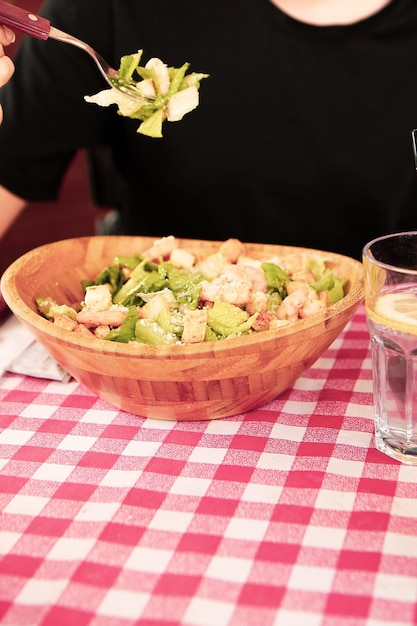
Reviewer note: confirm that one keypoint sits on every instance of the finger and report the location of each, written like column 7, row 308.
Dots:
column 7, row 36
column 6, row 69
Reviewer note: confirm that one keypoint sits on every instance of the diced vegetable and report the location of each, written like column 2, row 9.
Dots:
column 166, row 295
column 226, row 319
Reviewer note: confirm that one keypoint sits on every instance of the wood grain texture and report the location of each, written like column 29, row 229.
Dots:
column 181, row 382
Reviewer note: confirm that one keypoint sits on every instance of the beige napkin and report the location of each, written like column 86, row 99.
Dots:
column 22, row 354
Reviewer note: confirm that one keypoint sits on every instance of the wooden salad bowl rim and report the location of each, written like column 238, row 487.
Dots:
column 201, row 381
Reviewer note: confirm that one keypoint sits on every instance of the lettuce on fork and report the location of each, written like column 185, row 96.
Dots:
column 163, row 93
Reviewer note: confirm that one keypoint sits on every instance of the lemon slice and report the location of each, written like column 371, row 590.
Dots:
column 397, row 310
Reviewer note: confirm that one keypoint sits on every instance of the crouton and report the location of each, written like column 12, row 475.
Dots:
column 195, row 323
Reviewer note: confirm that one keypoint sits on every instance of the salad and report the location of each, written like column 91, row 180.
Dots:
column 166, row 295
column 163, row 93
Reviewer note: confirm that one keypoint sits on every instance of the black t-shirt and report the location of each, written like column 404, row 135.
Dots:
column 302, row 135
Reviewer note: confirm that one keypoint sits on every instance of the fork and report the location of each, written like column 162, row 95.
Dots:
column 40, row 28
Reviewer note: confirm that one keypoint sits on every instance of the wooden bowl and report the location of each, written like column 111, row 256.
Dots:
column 179, row 382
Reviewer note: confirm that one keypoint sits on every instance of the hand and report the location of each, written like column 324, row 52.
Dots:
column 7, row 37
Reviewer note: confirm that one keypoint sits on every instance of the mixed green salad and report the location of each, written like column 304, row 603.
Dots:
column 161, row 93
column 167, row 295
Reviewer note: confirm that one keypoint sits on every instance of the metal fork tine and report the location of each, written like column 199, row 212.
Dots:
column 108, row 72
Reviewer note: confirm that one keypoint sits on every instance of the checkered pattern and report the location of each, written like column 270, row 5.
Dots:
column 284, row 516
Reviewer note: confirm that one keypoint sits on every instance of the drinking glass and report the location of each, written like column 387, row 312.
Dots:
column 390, row 273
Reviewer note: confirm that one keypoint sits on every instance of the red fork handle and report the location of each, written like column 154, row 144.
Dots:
column 23, row 20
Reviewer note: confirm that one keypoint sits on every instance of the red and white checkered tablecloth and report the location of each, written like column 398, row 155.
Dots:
column 284, row 516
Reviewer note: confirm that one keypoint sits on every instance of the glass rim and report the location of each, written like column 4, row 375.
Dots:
column 366, row 252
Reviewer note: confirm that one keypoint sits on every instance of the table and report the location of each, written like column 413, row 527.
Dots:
column 283, row 516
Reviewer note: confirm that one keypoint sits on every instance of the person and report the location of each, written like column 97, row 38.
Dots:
column 7, row 37
column 301, row 136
